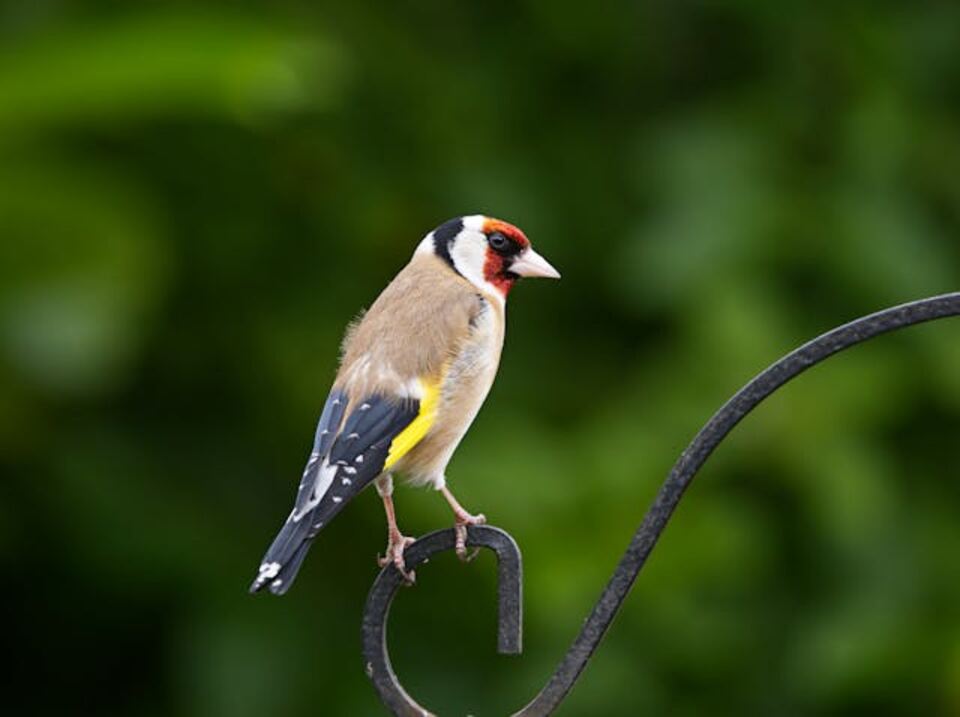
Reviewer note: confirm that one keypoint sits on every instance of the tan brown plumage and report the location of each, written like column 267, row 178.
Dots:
column 457, row 343
column 425, row 294
column 415, row 370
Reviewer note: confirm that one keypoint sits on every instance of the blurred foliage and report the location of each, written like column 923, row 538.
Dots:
column 195, row 198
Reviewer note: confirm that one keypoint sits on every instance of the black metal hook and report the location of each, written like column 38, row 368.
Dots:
column 509, row 596
column 672, row 490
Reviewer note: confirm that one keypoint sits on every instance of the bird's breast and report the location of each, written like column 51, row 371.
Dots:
column 466, row 383
column 471, row 372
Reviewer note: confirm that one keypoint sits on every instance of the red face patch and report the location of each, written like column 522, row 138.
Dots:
column 494, row 269
column 496, row 225
column 493, row 272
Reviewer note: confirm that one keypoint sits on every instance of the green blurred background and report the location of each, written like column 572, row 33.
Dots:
column 195, row 199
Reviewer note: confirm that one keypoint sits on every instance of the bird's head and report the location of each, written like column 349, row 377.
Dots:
column 489, row 253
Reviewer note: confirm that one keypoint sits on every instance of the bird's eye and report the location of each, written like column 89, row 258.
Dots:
column 498, row 242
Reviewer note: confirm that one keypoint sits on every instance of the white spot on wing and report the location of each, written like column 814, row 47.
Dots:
column 314, row 457
column 322, row 485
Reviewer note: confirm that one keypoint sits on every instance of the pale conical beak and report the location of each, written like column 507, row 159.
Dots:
column 531, row 264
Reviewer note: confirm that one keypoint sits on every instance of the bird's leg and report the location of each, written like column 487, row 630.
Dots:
column 397, row 542
column 463, row 519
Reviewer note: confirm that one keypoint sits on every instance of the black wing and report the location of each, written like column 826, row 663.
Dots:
column 343, row 461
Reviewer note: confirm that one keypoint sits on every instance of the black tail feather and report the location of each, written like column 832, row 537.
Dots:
column 339, row 468
column 282, row 561
column 291, row 542
column 288, row 573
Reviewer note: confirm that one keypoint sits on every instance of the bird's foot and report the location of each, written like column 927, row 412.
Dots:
column 396, row 545
column 463, row 520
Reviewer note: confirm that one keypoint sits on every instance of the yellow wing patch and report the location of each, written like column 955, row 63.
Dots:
column 414, row 433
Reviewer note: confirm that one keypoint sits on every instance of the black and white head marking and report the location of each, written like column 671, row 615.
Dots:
column 439, row 240
column 462, row 244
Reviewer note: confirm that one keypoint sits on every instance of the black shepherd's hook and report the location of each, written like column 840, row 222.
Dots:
column 509, row 610
column 687, row 465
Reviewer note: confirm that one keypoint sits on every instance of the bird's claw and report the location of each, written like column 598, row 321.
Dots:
column 460, row 527
column 396, row 545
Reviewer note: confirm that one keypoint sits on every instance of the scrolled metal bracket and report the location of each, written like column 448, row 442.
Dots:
column 389, row 581
column 678, row 480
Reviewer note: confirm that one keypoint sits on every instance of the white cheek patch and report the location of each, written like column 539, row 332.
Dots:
column 469, row 254
column 467, row 251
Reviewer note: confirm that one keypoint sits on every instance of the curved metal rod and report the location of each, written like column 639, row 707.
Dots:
column 679, row 479
column 377, row 610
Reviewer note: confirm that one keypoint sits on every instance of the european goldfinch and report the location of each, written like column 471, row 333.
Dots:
column 415, row 370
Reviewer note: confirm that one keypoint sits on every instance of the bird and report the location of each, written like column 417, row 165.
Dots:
column 415, row 369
